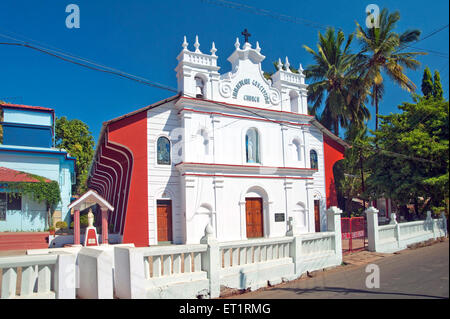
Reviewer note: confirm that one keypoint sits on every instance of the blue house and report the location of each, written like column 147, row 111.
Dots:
column 27, row 146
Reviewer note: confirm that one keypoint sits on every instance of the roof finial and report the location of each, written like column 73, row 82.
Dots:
column 213, row 49
column 300, row 69
column 185, row 44
column 258, row 49
column 197, row 45
column 287, row 64
column 279, row 64
column 237, row 44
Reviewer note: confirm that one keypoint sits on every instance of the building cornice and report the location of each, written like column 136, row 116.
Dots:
column 256, row 170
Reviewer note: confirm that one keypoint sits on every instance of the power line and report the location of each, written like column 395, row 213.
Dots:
column 424, row 38
column 263, row 12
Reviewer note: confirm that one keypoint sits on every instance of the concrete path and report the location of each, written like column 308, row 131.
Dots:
column 412, row 273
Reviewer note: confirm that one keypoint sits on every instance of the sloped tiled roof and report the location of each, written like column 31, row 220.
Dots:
column 11, row 175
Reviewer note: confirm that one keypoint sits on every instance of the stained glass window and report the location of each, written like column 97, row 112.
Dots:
column 163, row 156
column 313, row 159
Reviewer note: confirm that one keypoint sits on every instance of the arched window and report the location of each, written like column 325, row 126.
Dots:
column 199, row 87
column 252, row 146
column 313, row 159
column 163, row 151
column 293, row 97
column 297, row 149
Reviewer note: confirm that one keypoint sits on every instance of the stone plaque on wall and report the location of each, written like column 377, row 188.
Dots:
column 279, row 217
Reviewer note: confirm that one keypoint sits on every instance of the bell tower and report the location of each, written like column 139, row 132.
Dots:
column 197, row 72
column 292, row 87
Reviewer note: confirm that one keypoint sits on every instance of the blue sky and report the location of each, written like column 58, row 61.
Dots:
column 144, row 37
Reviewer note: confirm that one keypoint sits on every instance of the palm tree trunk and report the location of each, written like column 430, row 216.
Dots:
column 376, row 107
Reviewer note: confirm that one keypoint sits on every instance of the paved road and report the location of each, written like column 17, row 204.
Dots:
column 418, row 273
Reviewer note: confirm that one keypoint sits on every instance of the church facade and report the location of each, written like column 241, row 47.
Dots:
column 235, row 150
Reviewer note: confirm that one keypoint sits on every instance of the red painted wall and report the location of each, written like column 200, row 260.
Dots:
column 333, row 152
column 131, row 132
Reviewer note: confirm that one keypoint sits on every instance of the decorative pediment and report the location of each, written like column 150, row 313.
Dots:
column 245, row 84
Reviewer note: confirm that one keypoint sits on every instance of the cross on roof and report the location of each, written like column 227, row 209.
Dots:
column 246, row 35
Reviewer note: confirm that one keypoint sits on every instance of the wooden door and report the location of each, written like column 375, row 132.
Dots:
column 164, row 220
column 254, row 213
column 317, row 214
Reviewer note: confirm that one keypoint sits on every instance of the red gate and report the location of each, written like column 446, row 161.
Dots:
column 353, row 234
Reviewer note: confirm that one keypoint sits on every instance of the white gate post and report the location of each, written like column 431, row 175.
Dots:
column 65, row 276
column 334, row 225
column 129, row 273
column 372, row 227
column 295, row 247
column 211, row 262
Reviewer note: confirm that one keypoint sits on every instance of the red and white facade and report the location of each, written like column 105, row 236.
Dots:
column 240, row 156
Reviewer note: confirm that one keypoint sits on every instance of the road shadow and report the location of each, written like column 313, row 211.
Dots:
column 349, row 291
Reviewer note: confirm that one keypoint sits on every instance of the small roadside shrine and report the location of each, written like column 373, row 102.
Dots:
column 91, row 197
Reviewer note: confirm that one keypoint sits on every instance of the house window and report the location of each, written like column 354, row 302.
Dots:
column 9, row 202
column 163, row 151
column 252, row 146
column 313, row 159
column 2, row 206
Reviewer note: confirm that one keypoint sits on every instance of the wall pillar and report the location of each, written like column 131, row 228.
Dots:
column 334, row 225
column 76, row 227
column 104, row 226
column 211, row 262
column 372, row 227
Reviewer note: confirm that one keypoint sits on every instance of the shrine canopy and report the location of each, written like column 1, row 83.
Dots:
column 91, row 197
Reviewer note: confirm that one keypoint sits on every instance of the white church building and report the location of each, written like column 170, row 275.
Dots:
column 234, row 150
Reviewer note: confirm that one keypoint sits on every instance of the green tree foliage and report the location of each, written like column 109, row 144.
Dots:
column 427, row 83
column 381, row 52
column 351, row 172
column 75, row 137
column 438, row 93
column 420, row 134
column 333, row 82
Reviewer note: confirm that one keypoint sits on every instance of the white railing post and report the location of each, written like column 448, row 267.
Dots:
column 65, row 276
column 444, row 223
column 429, row 225
column 372, row 228
column 334, row 225
column 397, row 228
column 211, row 262
column 9, row 281
column 129, row 273
column 296, row 247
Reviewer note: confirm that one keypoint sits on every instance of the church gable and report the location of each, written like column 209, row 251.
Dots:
column 245, row 84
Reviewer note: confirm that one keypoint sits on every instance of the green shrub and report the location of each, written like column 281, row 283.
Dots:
column 61, row 225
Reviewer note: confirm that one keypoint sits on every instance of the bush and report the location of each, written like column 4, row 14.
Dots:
column 61, row 225
column 84, row 221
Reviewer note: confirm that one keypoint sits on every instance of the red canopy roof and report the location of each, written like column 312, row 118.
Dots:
column 27, row 107
column 10, row 175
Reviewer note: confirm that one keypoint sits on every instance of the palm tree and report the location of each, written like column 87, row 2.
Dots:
column 380, row 52
column 331, row 76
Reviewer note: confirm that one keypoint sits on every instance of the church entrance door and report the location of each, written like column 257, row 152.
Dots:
column 317, row 214
column 164, row 219
column 254, row 214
